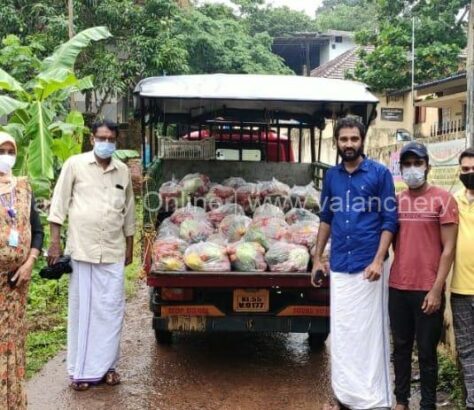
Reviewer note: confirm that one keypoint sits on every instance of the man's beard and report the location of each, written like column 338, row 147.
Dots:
column 350, row 154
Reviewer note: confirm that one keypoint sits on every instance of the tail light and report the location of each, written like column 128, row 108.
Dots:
column 176, row 294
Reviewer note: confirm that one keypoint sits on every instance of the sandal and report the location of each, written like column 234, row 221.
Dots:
column 112, row 378
column 79, row 386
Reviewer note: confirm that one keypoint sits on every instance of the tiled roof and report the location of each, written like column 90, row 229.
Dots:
column 338, row 67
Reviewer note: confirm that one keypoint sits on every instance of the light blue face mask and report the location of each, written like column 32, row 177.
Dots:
column 414, row 177
column 104, row 149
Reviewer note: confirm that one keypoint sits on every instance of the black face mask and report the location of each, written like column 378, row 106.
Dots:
column 467, row 180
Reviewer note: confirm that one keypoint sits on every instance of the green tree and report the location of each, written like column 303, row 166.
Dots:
column 439, row 40
column 225, row 45
column 35, row 108
column 347, row 15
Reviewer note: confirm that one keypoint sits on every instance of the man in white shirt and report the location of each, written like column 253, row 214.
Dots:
column 94, row 192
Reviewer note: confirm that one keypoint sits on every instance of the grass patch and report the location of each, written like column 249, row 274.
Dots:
column 450, row 379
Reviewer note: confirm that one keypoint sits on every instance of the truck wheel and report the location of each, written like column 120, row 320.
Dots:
column 163, row 337
column 316, row 340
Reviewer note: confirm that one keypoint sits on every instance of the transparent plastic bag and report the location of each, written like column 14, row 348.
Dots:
column 247, row 257
column 171, row 194
column 304, row 233
column 168, row 228
column 195, row 184
column 305, row 196
column 274, row 229
column 234, row 182
column 188, row 212
column 268, row 210
column 195, row 230
column 248, row 197
column 300, row 215
column 273, row 188
column 168, row 254
column 207, row 257
column 217, row 215
column 287, row 257
column 234, row 227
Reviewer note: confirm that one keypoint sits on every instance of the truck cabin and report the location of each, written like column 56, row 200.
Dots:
column 249, row 118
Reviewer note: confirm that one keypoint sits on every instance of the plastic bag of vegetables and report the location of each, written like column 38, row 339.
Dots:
column 304, row 233
column 305, row 196
column 168, row 228
column 273, row 188
column 234, row 182
column 207, row 257
column 274, row 229
column 287, row 257
column 168, row 254
column 268, row 210
column 248, row 196
column 247, row 257
column 234, row 227
column 300, row 215
column 188, row 212
column 195, row 184
column 218, row 195
column 171, row 194
column 217, row 215
column 195, row 230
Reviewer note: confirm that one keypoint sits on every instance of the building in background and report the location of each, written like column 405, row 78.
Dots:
column 303, row 50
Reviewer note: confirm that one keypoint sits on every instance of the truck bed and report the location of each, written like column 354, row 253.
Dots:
column 230, row 279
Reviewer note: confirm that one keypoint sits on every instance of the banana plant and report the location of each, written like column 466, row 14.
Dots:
column 33, row 110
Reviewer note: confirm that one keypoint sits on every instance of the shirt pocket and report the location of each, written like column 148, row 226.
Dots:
column 118, row 199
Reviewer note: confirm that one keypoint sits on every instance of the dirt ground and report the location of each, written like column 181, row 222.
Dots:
column 199, row 371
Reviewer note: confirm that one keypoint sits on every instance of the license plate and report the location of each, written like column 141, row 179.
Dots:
column 251, row 300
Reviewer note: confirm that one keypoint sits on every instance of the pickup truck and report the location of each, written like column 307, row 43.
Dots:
column 257, row 127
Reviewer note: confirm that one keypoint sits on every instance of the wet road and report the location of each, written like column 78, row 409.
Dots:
column 199, row 371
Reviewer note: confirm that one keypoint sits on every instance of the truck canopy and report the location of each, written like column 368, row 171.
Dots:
column 293, row 97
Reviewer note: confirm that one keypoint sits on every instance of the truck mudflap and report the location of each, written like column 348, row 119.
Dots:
column 242, row 324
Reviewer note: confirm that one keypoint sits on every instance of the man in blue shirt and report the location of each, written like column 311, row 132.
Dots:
column 359, row 215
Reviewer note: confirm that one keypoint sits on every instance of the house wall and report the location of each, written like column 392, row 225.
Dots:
column 332, row 49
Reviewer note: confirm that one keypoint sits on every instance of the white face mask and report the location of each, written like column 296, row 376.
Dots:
column 6, row 163
column 414, row 177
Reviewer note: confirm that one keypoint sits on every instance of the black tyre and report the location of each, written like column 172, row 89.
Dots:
column 316, row 340
column 163, row 337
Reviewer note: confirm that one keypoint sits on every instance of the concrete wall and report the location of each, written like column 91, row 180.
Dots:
column 332, row 50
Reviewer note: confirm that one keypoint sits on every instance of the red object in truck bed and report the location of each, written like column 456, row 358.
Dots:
column 256, row 137
column 230, row 280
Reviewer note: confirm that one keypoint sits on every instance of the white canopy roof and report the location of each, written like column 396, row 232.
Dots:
column 185, row 93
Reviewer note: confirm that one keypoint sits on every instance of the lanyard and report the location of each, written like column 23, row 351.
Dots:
column 9, row 207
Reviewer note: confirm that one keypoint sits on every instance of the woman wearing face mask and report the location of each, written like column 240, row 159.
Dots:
column 21, row 238
column 424, row 251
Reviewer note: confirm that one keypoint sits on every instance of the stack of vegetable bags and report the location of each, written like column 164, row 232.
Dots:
column 237, row 232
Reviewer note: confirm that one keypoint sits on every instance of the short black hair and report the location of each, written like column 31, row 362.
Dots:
column 349, row 122
column 112, row 126
column 467, row 153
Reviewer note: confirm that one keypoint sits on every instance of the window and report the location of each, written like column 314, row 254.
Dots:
column 420, row 115
column 338, row 39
